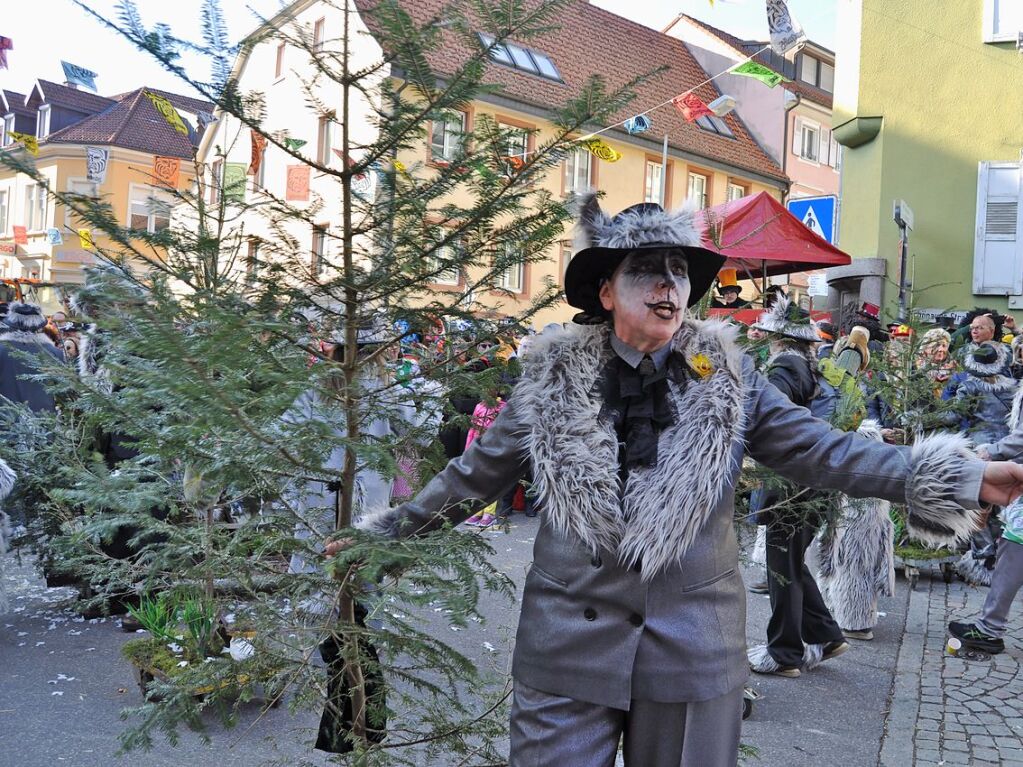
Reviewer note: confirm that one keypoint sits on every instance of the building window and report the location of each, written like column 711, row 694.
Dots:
column 319, row 259
column 79, row 187
column 817, row 73
column 714, row 124
column 8, row 127
column 835, row 156
column 323, row 140
column 35, row 207
column 216, row 180
column 443, row 267
column 735, row 191
column 809, row 142
column 258, row 180
column 446, row 138
column 652, row 183
column 252, row 260
column 279, row 64
column 148, row 209
column 578, row 171
column 43, row 121
column 512, row 55
column 3, row 213
column 697, row 191
column 515, row 143
column 512, row 278
column 318, row 34
column 1003, row 20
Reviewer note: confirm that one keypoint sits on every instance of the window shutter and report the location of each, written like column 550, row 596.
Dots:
column 797, row 137
column 998, row 250
column 824, row 155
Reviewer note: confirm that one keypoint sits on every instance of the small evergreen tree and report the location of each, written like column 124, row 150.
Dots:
column 175, row 465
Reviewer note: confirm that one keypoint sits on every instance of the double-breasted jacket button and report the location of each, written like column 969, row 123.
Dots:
column 636, row 620
column 590, row 614
column 596, row 561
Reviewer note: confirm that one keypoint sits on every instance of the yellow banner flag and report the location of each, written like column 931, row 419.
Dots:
column 602, row 151
column 31, row 142
column 85, row 239
column 168, row 112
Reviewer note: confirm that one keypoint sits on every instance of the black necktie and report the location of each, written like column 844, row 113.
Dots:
column 639, row 399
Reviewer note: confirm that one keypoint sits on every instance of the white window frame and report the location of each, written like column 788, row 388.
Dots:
column 451, row 140
column 439, row 275
column 513, row 134
column 513, row 278
column 696, row 183
column 731, row 195
column 80, row 186
column 319, row 249
column 36, row 202
column 279, row 54
column 804, row 58
column 804, row 127
column 324, row 140
column 992, row 31
column 1005, row 231
column 7, row 128
column 653, row 172
column 135, row 196
column 252, row 258
column 820, row 77
column 43, row 121
column 578, row 171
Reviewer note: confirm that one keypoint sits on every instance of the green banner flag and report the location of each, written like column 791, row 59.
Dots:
column 294, row 144
column 234, row 181
column 758, row 72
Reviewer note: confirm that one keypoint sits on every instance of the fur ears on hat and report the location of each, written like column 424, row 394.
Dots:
column 640, row 225
column 23, row 316
column 787, row 319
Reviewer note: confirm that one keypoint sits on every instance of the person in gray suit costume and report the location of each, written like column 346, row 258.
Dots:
column 634, row 425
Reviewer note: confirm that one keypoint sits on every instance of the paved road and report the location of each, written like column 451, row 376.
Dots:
column 63, row 686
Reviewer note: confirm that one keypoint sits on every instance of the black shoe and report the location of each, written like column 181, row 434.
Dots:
column 973, row 637
column 758, row 587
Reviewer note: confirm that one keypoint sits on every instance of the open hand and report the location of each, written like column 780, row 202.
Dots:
column 1002, row 483
column 330, row 548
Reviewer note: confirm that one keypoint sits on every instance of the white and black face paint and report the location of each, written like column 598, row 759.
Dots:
column 653, row 281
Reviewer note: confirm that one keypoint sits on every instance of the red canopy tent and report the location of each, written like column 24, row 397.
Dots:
column 761, row 238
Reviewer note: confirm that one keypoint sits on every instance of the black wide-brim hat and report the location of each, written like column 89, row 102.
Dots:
column 606, row 241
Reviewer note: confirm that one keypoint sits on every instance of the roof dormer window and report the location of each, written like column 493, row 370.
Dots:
column 43, row 121
column 524, row 59
column 8, row 126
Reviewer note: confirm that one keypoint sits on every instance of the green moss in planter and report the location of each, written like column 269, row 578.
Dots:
column 153, row 654
column 918, row 552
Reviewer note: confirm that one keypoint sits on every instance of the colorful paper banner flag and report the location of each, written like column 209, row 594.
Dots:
column 30, row 142
column 758, row 72
column 637, row 124
column 168, row 113
column 294, row 144
column 85, row 239
column 204, row 119
column 96, row 160
column 234, row 181
column 786, row 33
column 722, row 105
column 77, row 75
column 297, row 189
column 602, row 151
column 54, row 237
column 6, row 44
column 691, row 106
column 258, row 146
column 20, row 235
column 167, row 171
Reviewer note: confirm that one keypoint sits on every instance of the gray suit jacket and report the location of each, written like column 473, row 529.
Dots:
column 663, row 618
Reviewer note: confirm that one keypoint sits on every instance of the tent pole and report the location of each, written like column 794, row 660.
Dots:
column 664, row 170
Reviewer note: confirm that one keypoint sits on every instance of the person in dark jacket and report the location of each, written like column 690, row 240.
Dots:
column 798, row 612
column 21, row 330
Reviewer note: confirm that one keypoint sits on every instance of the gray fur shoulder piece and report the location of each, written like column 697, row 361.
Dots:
column 936, row 469
column 1014, row 419
column 574, row 450
column 25, row 337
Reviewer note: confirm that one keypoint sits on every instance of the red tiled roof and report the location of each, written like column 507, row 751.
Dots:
column 16, row 102
column 805, row 90
column 594, row 41
column 72, row 98
column 185, row 103
column 132, row 122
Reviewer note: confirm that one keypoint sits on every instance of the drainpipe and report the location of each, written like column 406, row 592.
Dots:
column 792, row 100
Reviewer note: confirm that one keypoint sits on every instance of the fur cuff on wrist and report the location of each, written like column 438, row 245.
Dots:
column 936, row 474
column 386, row 521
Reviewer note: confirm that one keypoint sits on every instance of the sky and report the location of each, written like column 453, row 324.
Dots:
column 76, row 37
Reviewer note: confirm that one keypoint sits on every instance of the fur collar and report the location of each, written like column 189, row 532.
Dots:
column 25, row 337
column 657, row 516
column 990, row 369
column 1015, row 419
column 994, row 384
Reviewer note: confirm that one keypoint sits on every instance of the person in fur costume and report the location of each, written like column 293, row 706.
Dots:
column 801, row 633
column 21, row 330
column 634, row 421
column 857, row 563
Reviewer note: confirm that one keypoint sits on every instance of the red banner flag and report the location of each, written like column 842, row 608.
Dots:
column 6, row 44
column 297, row 188
column 691, row 106
column 258, row 145
column 20, row 235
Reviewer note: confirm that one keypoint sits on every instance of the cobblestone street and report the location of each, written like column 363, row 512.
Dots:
column 959, row 711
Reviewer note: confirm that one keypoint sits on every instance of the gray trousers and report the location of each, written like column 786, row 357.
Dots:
column 1006, row 581
column 552, row 731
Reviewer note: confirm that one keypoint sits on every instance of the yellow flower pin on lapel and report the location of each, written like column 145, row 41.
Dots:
column 701, row 365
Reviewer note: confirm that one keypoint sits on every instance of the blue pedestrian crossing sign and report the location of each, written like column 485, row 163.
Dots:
column 816, row 213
